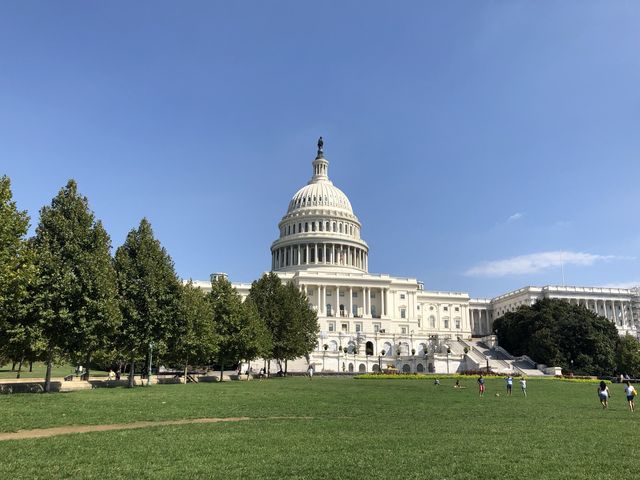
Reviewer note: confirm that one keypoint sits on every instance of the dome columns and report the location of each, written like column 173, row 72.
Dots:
column 319, row 254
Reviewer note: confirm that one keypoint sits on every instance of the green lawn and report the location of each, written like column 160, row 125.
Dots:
column 366, row 429
column 39, row 370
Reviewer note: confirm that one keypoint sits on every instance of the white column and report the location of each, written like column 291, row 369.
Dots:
column 306, row 258
column 298, row 254
column 350, row 302
column 324, row 299
column 324, row 253
column 337, row 301
column 369, row 301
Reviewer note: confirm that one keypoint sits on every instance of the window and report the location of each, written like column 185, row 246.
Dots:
column 418, row 307
column 432, row 321
column 446, row 309
column 402, row 296
column 457, row 309
column 355, row 295
column 342, row 294
column 458, row 323
column 373, row 295
column 403, row 313
column 358, row 327
column 403, row 330
column 332, row 326
column 431, row 308
column 329, row 294
column 345, row 327
column 446, row 323
column 376, row 327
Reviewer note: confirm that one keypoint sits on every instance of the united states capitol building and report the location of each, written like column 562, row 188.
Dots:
column 372, row 321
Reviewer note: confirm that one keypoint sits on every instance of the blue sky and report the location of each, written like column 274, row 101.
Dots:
column 482, row 144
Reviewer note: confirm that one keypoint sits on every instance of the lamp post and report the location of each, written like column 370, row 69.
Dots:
column 151, row 363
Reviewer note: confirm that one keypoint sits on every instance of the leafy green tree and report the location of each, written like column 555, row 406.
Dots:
column 18, row 334
column 242, row 335
column 149, row 295
column 75, row 295
column 301, row 323
column 556, row 333
column 194, row 340
column 286, row 312
column 628, row 356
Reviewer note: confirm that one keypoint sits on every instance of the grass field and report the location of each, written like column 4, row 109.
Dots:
column 40, row 369
column 356, row 429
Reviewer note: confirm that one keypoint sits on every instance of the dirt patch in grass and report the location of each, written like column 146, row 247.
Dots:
column 55, row 431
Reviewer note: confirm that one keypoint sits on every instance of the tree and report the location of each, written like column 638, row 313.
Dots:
column 286, row 312
column 557, row 333
column 301, row 324
column 194, row 340
column 75, row 291
column 628, row 356
column 242, row 335
column 149, row 294
column 18, row 334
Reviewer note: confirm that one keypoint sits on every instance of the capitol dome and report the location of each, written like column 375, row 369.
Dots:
column 319, row 229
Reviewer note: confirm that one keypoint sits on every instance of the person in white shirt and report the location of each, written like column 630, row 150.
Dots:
column 604, row 394
column 523, row 386
column 631, row 392
column 509, row 385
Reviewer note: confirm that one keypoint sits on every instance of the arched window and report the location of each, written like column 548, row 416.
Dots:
column 362, row 368
column 368, row 349
column 333, row 346
column 432, row 322
column 406, row 368
column 420, row 368
column 306, row 226
column 387, row 349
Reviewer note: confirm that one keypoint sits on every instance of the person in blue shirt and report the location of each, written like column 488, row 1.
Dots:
column 481, row 385
column 509, row 385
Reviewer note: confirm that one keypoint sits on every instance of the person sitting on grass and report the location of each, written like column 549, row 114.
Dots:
column 436, row 382
column 604, row 394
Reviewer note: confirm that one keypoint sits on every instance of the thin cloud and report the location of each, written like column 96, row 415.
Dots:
column 534, row 263
column 515, row 217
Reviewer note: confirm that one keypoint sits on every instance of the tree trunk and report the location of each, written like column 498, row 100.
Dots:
column 221, row 370
column 30, row 366
column 47, row 377
column 86, row 374
column 131, row 373
column 186, row 367
column 269, row 368
column 285, row 367
column 13, row 366
column 20, row 367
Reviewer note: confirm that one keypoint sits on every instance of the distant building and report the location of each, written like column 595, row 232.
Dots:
column 372, row 321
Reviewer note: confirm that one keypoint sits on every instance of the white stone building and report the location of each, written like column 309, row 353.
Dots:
column 367, row 320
